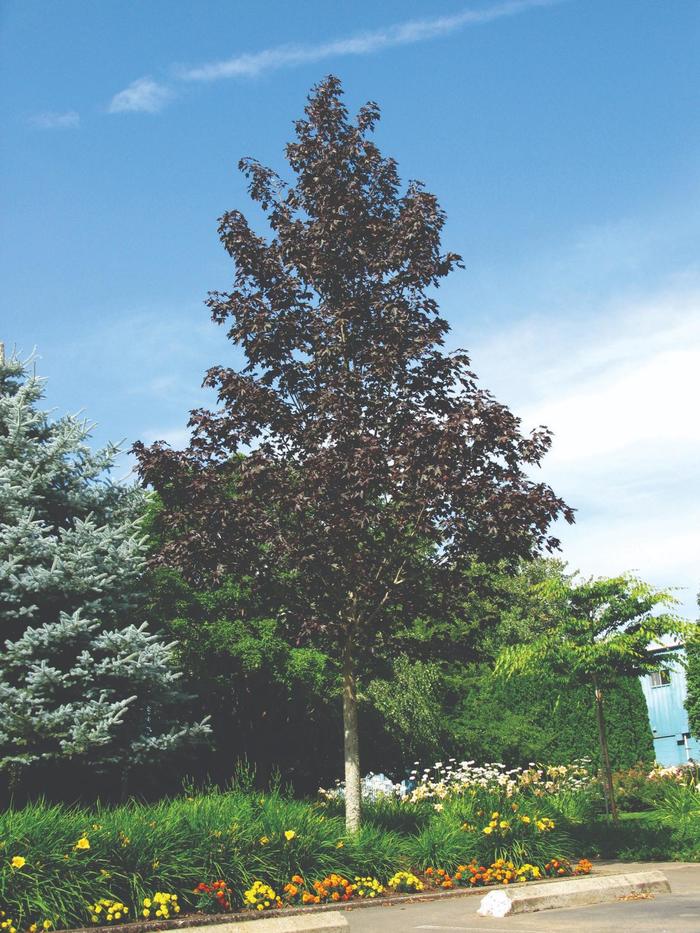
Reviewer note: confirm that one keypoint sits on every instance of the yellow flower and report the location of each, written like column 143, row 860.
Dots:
column 289, row 834
column 83, row 843
column 19, row 861
column 487, row 830
column 339, row 845
column 264, row 840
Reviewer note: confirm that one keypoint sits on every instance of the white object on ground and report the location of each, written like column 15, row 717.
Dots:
column 495, row 904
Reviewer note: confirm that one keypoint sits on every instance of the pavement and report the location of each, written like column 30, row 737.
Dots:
column 678, row 912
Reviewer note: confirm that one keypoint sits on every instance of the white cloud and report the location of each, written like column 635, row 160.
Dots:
column 620, row 390
column 142, row 96
column 249, row 65
column 50, row 120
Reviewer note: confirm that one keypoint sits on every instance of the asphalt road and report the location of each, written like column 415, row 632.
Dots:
column 678, row 912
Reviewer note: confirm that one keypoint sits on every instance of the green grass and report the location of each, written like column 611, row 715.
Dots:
column 239, row 835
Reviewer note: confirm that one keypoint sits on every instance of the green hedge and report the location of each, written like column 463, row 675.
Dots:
column 522, row 719
column 692, row 703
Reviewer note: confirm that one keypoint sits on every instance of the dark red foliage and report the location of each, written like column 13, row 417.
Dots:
column 351, row 446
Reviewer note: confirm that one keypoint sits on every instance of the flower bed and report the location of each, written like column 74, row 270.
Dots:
column 218, row 852
column 333, row 890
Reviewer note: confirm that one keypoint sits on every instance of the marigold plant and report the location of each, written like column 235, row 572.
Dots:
column 332, row 888
column 471, row 876
column 106, row 910
column 7, row 924
column 404, row 882
column 214, row 897
column 368, row 886
column 556, row 868
column 261, row 896
column 294, row 890
column 528, row 872
column 439, row 877
column 162, row 905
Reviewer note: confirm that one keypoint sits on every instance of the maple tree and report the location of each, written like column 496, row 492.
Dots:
column 352, row 460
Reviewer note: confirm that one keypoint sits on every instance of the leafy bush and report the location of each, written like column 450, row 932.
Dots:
column 640, row 788
column 679, row 806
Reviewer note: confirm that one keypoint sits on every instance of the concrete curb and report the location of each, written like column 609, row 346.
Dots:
column 579, row 892
column 307, row 923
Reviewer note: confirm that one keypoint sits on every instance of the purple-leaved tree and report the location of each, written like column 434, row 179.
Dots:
column 351, row 449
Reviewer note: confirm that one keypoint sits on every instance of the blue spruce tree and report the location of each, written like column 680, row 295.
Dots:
column 80, row 680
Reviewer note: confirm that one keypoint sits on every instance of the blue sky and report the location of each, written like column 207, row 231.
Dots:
column 562, row 139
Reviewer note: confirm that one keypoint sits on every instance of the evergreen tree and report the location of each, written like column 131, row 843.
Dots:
column 79, row 681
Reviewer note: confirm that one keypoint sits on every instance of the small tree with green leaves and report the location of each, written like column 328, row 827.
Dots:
column 597, row 631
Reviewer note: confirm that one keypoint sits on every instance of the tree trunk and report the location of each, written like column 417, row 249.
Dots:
column 353, row 795
column 604, row 754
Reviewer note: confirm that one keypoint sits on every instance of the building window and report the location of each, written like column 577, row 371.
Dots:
column 660, row 678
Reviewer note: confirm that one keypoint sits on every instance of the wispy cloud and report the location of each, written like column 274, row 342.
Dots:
column 619, row 389
column 142, row 96
column 50, row 120
column 249, row 65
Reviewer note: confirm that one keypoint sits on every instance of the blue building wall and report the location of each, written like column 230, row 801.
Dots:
column 673, row 744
